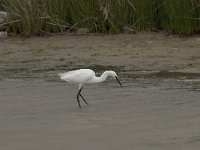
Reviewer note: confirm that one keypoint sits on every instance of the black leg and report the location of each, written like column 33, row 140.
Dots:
column 78, row 98
column 83, row 99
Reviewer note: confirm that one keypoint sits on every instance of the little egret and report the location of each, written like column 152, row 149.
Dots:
column 86, row 76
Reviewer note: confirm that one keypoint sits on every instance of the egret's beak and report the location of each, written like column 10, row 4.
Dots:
column 118, row 81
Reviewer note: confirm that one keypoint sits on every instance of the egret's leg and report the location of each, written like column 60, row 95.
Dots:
column 81, row 87
column 83, row 99
column 78, row 98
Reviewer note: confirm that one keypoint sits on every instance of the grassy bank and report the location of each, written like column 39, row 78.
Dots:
column 107, row 16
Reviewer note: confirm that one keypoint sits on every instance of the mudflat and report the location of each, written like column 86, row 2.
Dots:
column 157, row 108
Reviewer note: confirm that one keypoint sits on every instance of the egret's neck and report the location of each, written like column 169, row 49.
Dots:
column 99, row 79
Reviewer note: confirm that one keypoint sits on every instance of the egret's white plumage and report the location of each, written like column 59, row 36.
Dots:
column 78, row 76
column 86, row 76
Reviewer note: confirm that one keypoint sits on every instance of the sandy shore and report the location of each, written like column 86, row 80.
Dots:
column 142, row 51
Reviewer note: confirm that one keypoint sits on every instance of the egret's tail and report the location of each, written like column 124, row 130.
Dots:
column 62, row 76
column 65, row 75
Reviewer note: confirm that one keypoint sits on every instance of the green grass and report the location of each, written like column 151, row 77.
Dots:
column 181, row 16
column 104, row 16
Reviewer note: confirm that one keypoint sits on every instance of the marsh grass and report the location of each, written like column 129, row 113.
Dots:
column 180, row 16
column 82, row 14
column 107, row 16
column 24, row 16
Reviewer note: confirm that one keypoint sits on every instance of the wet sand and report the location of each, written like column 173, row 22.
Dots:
column 36, row 56
column 158, row 107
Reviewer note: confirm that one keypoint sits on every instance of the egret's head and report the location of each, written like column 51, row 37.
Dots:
column 113, row 75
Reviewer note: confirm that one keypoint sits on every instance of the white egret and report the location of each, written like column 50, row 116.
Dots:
column 86, row 76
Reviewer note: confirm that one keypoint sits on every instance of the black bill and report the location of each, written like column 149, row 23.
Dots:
column 118, row 81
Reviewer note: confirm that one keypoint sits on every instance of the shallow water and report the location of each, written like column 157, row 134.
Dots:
column 153, row 113
column 157, row 109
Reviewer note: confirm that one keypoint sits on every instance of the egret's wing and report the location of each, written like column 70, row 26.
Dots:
column 65, row 74
column 78, row 76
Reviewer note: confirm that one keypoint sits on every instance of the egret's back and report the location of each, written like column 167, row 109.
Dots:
column 77, row 76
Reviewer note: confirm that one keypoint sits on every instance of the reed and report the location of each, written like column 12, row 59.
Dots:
column 104, row 16
column 143, row 14
column 24, row 16
column 180, row 16
column 82, row 14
